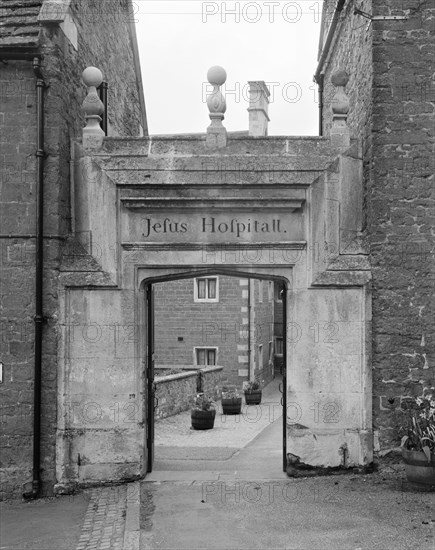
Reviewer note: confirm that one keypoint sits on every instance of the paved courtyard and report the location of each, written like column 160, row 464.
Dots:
column 225, row 489
column 229, row 430
column 176, row 442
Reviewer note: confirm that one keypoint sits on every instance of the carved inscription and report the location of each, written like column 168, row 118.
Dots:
column 212, row 225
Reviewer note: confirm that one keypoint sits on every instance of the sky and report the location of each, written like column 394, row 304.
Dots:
column 273, row 41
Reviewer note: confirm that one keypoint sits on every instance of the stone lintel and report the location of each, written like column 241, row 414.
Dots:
column 218, row 247
column 226, row 204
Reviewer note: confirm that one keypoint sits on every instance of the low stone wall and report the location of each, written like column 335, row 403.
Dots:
column 175, row 393
column 167, row 370
column 211, row 381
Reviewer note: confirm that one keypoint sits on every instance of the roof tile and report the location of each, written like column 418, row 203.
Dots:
column 19, row 23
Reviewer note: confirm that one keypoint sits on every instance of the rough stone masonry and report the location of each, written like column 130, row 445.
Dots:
column 391, row 95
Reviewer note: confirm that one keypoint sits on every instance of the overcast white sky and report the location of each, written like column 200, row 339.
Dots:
column 272, row 41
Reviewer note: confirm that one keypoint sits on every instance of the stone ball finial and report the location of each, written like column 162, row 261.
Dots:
column 340, row 78
column 92, row 77
column 216, row 101
column 340, row 133
column 216, row 75
column 216, row 133
column 93, row 107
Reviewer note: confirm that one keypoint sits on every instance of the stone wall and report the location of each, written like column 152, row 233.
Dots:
column 102, row 40
column 211, row 381
column 176, row 392
column 17, row 287
column 351, row 50
column 391, row 91
column 401, row 211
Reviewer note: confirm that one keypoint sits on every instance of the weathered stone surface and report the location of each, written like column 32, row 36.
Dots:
column 391, row 110
column 176, row 393
column 105, row 31
column 99, row 360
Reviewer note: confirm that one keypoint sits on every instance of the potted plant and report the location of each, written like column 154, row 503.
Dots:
column 253, row 392
column 418, row 443
column 203, row 412
column 231, row 400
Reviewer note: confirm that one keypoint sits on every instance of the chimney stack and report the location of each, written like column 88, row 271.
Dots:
column 258, row 108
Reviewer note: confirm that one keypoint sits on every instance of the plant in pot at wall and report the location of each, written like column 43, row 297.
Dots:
column 253, row 392
column 418, row 443
column 231, row 400
column 203, row 412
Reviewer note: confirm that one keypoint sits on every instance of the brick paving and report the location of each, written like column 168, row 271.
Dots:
column 104, row 522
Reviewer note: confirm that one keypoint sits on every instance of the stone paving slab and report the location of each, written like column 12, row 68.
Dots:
column 186, row 453
column 349, row 512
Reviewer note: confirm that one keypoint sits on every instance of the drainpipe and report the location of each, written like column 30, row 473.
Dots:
column 320, row 83
column 39, row 318
column 318, row 76
column 32, row 55
column 249, row 331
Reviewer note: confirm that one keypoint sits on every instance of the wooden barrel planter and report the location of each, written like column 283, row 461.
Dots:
column 419, row 472
column 231, row 405
column 202, row 420
column 253, row 397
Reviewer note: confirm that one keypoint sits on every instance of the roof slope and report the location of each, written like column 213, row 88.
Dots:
column 19, row 26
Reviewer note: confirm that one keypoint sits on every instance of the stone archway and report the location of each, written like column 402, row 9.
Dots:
column 160, row 207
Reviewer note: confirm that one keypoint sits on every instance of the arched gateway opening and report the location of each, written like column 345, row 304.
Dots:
column 276, row 289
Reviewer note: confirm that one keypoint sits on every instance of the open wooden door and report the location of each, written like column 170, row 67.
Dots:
column 151, row 389
column 284, row 378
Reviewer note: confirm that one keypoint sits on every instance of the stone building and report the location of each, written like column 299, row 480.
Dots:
column 351, row 211
column 226, row 321
column 386, row 47
column 44, row 47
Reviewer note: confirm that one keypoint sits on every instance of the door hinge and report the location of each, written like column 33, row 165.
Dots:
column 372, row 18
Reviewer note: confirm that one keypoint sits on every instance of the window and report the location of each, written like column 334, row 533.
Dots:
column 270, row 291
column 260, row 356
column 260, row 291
column 278, row 346
column 270, row 351
column 205, row 356
column 206, row 289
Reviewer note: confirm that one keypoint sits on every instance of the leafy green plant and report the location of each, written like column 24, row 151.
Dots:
column 252, row 385
column 203, row 402
column 419, row 426
column 230, row 392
